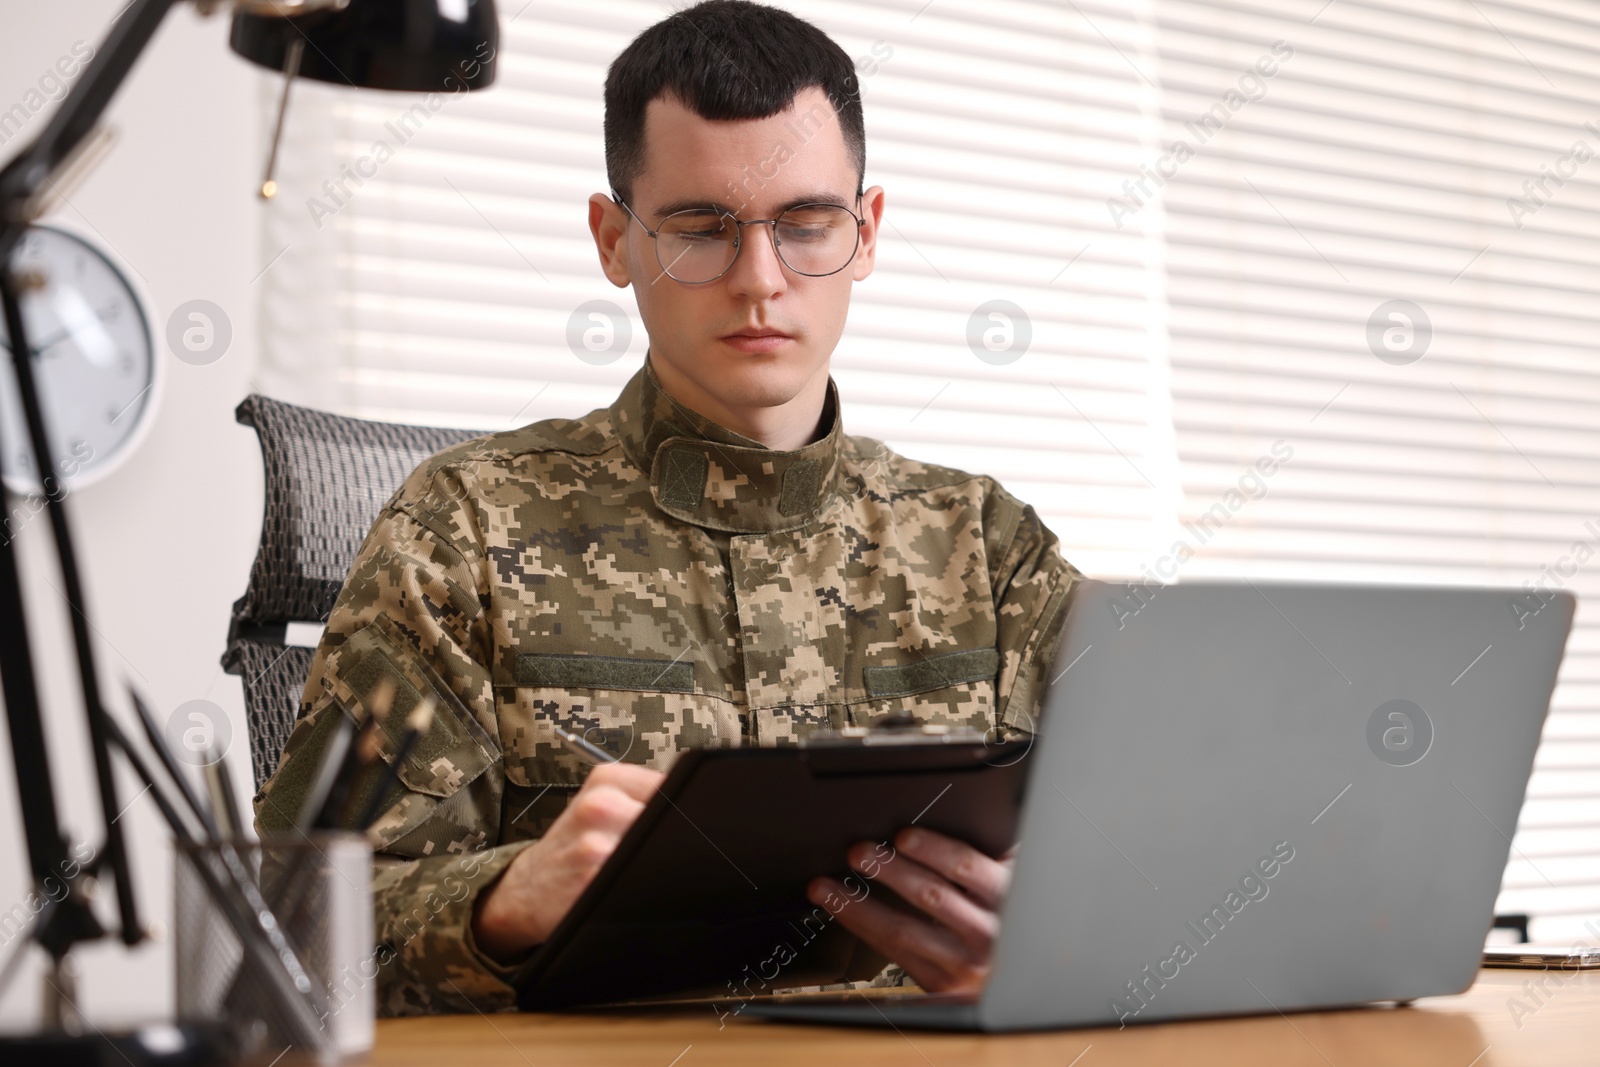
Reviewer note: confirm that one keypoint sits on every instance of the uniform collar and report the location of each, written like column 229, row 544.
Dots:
column 709, row 475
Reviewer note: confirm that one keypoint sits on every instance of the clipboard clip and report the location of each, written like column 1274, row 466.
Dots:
column 895, row 728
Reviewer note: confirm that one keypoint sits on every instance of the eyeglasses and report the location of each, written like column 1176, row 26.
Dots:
column 700, row 244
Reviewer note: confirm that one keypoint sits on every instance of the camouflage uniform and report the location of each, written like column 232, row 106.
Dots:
column 657, row 582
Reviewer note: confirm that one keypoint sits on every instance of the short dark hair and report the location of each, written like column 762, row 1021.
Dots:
column 726, row 59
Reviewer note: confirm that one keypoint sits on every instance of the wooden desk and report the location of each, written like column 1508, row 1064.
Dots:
column 1477, row 1029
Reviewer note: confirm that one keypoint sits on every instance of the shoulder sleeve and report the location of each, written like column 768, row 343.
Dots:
column 409, row 624
column 1030, row 580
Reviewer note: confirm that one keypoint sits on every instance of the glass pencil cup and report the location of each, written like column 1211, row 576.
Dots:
column 274, row 942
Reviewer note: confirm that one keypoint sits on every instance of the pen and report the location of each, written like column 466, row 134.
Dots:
column 364, row 753
column 582, row 747
column 224, row 809
column 417, row 724
column 169, row 762
column 340, row 758
column 361, row 754
column 326, row 772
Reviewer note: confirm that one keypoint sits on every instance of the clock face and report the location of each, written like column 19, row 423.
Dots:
column 94, row 362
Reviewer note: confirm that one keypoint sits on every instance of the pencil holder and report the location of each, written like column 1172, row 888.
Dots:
column 306, row 981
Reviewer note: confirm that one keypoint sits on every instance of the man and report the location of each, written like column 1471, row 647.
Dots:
column 708, row 561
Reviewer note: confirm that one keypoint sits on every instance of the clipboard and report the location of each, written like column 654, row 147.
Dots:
column 1580, row 956
column 705, row 893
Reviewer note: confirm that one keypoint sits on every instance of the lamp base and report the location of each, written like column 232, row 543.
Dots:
column 154, row 1045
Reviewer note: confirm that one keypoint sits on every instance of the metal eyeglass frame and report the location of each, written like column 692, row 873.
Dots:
column 738, row 239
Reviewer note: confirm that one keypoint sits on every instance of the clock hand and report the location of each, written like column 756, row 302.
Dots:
column 55, row 338
column 94, row 320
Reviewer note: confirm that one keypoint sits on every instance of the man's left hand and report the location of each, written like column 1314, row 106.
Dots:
column 957, row 891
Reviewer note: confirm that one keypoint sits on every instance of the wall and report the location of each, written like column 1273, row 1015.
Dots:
column 165, row 542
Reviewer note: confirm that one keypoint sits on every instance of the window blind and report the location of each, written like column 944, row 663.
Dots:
column 1427, row 153
column 1153, row 345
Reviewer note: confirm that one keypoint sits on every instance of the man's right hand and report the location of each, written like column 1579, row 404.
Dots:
column 521, row 909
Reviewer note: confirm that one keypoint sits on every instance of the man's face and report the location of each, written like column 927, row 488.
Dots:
column 754, row 169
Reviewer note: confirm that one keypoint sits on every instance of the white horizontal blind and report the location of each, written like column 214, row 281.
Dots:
column 441, row 291
column 989, row 126
column 1376, row 164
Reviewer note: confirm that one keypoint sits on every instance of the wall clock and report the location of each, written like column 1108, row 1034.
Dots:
column 95, row 363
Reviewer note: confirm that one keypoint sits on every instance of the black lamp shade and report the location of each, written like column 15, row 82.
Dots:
column 422, row 46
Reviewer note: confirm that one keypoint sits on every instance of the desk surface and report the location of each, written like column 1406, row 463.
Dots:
column 1496, row 1023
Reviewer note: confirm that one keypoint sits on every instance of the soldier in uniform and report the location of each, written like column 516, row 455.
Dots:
column 710, row 560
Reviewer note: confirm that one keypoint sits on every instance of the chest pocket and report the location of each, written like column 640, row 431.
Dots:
column 637, row 710
column 954, row 688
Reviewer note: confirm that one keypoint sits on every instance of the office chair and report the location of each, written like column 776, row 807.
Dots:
column 327, row 477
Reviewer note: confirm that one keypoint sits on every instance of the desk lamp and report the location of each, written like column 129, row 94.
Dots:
column 407, row 45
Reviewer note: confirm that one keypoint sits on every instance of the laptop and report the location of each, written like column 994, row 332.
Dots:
column 1252, row 796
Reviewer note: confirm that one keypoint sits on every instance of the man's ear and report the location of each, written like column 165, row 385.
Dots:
column 609, row 224
column 872, row 211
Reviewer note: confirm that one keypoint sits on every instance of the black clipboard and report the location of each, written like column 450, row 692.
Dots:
column 705, row 894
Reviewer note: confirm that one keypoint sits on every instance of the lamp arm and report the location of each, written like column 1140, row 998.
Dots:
column 22, row 182
column 29, row 173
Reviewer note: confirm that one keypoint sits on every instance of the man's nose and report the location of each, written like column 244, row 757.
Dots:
column 757, row 272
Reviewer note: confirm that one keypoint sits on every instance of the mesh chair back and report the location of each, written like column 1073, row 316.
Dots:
column 327, row 477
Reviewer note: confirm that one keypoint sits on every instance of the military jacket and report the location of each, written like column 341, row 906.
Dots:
column 656, row 582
